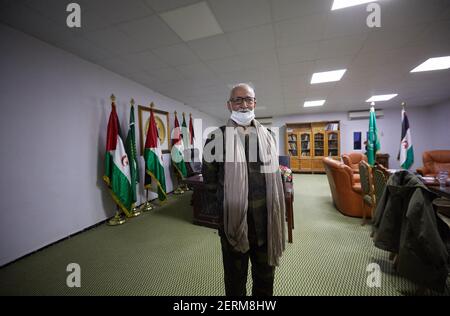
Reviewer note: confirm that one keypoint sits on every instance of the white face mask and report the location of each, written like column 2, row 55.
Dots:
column 243, row 118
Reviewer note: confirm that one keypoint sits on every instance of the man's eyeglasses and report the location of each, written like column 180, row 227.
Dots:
column 239, row 100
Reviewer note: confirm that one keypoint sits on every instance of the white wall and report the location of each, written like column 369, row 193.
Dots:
column 429, row 129
column 54, row 112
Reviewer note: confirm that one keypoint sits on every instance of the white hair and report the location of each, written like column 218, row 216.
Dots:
column 245, row 86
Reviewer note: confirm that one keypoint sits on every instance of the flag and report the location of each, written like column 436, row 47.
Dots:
column 373, row 143
column 191, row 131
column 185, row 133
column 130, row 147
column 178, row 149
column 154, row 166
column 117, row 170
column 406, row 154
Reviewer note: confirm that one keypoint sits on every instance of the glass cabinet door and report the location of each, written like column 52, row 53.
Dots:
column 333, row 144
column 305, row 141
column 292, row 144
column 319, row 143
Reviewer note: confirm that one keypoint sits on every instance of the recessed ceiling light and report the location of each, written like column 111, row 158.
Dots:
column 309, row 104
column 327, row 76
column 436, row 63
column 192, row 22
column 340, row 4
column 383, row 97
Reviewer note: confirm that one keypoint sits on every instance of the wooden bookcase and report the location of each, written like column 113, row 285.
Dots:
column 308, row 143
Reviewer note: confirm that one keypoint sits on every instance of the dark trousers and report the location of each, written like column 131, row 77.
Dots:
column 235, row 266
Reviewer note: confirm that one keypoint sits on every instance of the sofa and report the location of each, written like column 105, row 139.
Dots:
column 345, row 191
column 434, row 161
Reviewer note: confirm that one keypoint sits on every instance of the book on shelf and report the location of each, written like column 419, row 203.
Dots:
column 332, row 127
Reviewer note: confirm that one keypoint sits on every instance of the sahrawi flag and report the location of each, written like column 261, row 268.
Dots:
column 117, row 170
column 130, row 146
column 154, row 166
column 191, row 132
column 406, row 155
column 178, row 150
column 373, row 142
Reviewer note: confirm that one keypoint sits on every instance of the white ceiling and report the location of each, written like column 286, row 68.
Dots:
column 274, row 44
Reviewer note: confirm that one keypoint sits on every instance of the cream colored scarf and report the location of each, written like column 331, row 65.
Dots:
column 235, row 203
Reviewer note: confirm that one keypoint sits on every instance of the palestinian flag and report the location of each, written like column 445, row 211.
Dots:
column 178, row 150
column 373, row 142
column 406, row 155
column 191, row 132
column 130, row 147
column 117, row 170
column 154, row 166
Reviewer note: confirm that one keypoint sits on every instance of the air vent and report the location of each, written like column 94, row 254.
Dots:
column 361, row 115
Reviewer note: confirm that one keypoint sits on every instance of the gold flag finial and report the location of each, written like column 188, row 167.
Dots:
column 175, row 112
column 113, row 98
column 152, row 105
column 183, row 114
column 190, row 114
column 403, row 105
column 132, row 102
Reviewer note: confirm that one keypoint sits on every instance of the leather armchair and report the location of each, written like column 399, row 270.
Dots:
column 346, row 193
column 353, row 159
column 434, row 161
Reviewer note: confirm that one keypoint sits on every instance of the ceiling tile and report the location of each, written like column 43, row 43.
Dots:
column 342, row 46
column 301, row 30
column 118, row 65
column 253, row 39
column 116, row 11
column 32, row 22
column 85, row 49
column 145, row 60
column 240, row 14
column 166, row 74
column 166, row 5
column 177, row 55
column 297, row 53
column 213, row 47
column 150, row 30
column 346, row 22
column 287, row 9
column 263, row 60
column 197, row 71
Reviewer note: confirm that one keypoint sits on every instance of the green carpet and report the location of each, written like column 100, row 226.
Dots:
column 162, row 253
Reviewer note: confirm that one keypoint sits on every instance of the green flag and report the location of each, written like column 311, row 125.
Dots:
column 373, row 142
column 130, row 147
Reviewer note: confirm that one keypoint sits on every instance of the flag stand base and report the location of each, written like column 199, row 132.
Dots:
column 147, row 207
column 117, row 220
column 135, row 212
column 178, row 190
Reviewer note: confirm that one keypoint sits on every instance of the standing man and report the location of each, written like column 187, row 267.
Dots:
column 240, row 169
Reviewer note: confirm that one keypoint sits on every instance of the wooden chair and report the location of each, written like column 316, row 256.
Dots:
column 380, row 177
column 367, row 190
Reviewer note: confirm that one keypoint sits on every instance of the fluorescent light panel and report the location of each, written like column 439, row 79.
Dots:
column 309, row 104
column 436, row 63
column 327, row 76
column 382, row 97
column 192, row 22
column 340, row 4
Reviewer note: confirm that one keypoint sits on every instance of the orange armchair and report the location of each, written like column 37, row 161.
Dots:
column 353, row 159
column 434, row 161
column 345, row 191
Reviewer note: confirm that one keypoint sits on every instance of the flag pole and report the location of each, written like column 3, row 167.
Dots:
column 147, row 205
column 118, row 218
column 178, row 190
column 135, row 212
